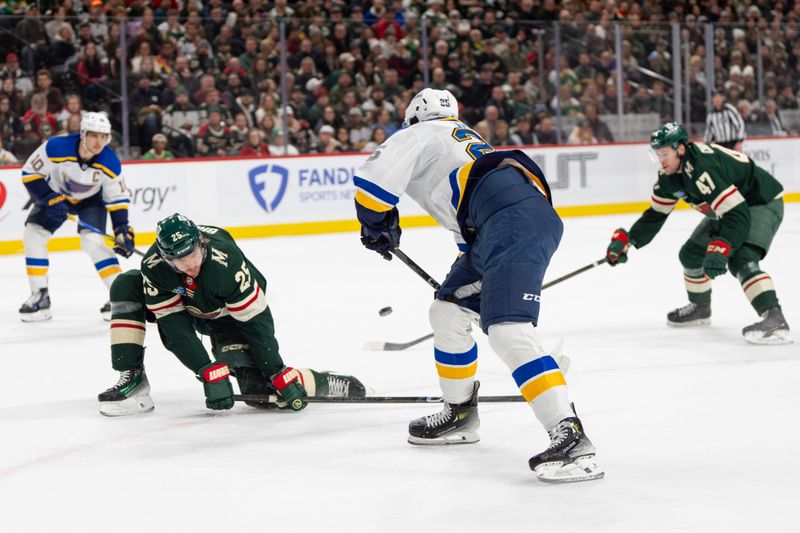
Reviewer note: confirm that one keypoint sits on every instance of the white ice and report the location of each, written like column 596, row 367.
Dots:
column 697, row 430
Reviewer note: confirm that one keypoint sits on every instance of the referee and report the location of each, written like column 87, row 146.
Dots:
column 724, row 124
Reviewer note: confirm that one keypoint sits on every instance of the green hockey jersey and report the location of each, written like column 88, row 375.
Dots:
column 227, row 297
column 716, row 181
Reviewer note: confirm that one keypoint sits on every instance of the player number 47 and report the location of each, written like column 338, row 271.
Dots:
column 705, row 184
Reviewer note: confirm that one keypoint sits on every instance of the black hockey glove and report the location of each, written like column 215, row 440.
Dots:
column 384, row 236
column 124, row 240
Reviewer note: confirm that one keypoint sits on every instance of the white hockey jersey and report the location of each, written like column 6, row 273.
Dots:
column 423, row 161
column 57, row 162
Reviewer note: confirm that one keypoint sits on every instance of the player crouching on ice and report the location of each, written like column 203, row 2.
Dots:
column 197, row 279
column 499, row 208
column 74, row 174
column 743, row 205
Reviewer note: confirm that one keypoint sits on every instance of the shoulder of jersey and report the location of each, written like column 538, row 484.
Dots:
column 108, row 162
column 224, row 252
column 63, row 148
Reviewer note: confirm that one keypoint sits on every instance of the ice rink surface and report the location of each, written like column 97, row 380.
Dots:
column 697, row 430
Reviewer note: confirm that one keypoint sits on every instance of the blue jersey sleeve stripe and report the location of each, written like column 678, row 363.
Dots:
column 466, row 358
column 462, row 247
column 531, row 369
column 454, row 187
column 376, row 191
column 106, row 263
column 31, row 261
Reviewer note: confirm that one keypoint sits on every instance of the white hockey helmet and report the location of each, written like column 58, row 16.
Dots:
column 429, row 104
column 96, row 122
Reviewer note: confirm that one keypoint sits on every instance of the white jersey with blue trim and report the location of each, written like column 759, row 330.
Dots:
column 57, row 162
column 422, row 161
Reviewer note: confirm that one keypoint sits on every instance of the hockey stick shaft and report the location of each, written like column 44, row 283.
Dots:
column 418, row 270
column 575, row 273
column 376, row 399
column 84, row 225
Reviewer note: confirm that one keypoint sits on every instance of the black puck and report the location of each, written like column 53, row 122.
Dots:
column 385, row 311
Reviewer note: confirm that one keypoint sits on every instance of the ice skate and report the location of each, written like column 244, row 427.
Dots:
column 130, row 396
column 772, row 330
column 334, row 385
column 105, row 311
column 454, row 424
column 37, row 307
column 690, row 315
column 570, row 456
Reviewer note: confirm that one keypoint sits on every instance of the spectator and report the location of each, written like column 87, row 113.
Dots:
column 522, row 134
column 360, row 133
column 239, row 131
column 277, row 147
column 15, row 98
column 546, row 131
column 72, row 107
column 12, row 70
column 91, row 73
column 343, row 138
column 6, row 157
column 145, row 108
column 326, row 142
column 182, row 114
column 159, row 148
column 72, row 125
column 59, row 22
column 505, row 110
column 582, row 134
column 502, row 136
column 255, row 145
column 245, row 104
column 600, row 129
column 377, row 101
column 38, row 123
column 31, row 30
column 44, row 85
column 214, row 138
column 10, row 124
column 378, row 138
column 773, row 119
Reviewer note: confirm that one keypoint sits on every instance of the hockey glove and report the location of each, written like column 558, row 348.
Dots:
column 55, row 209
column 216, row 385
column 617, row 251
column 716, row 261
column 124, row 240
column 384, row 236
column 290, row 389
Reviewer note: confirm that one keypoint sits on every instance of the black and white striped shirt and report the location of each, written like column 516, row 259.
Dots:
column 724, row 125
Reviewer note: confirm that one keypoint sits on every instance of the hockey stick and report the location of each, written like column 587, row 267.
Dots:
column 376, row 399
column 84, row 225
column 398, row 346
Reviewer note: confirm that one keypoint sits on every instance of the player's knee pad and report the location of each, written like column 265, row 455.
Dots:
column 691, row 255
column 745, row 262
column 451, row 326
column 127, row 296
column 35, row 239
column 92, row 243
column 516, row 343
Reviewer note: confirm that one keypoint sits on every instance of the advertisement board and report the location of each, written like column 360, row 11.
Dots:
column 314, row 194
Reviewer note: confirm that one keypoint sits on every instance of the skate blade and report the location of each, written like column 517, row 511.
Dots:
column 583, row 468
column 130, row 406
column 460, row 438
column 38, row 316
column 781, row 336
column 691, row 323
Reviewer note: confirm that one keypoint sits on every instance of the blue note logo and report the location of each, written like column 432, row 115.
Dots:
column 268, row 183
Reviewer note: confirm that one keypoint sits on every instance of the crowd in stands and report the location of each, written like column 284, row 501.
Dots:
column 204, row 77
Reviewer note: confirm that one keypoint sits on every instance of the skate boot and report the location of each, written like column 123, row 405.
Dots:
column 37, row 307
column 105, row 311
column 772, row 330
column 334, row 385
column 130, row 396
column 570, row 456
column 454, row 424
column 690, row 315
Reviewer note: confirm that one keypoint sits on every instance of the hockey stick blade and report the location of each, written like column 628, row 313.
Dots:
column 376, row 399
column 395, row 346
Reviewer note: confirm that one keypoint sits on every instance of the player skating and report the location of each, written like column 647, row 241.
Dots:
column 498, row 206
column 743, row 205
column 74, row 174
column 196, row 279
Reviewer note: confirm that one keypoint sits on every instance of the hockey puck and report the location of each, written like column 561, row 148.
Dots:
column 385, row 311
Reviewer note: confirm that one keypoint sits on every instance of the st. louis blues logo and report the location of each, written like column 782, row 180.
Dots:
column 268, row 183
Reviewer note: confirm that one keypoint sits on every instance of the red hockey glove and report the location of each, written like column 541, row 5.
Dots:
column 617, row 251
column 715, row 262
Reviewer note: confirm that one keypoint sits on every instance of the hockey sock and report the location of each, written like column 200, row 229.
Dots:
column 455, row 351
column 760, row 290
column 105, row 262
column 536, row 373
column 127, row 321
column 37, row 263
column 698, row 285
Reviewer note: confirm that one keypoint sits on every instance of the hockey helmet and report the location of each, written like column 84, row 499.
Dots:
column 176, row 237
column 96, row 122
column 429, row 104
column 671, row 134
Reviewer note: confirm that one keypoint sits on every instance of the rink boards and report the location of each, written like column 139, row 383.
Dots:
column 314, row 194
